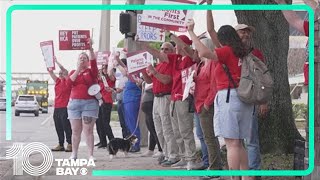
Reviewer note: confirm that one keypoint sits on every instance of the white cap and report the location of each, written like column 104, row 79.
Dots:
column 244, row 26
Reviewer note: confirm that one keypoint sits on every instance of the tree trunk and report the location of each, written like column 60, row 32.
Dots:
column 278, row 130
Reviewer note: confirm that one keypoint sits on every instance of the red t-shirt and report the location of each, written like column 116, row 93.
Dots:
column 62, row 91
column 306, row 28
column 158, row 87
column 83, row 81
column 226, row 56
column 258, row 54
column 178, row 63
column 106, row 95
column 205, row 85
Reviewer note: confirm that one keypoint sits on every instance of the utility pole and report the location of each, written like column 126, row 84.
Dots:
column 129, row 42
column 104, row 40
column 131, row 46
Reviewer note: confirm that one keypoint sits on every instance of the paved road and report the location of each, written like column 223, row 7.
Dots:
column 28, row 128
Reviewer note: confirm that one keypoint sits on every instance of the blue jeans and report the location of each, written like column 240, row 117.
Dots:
column 252, row 143
column 199, row 133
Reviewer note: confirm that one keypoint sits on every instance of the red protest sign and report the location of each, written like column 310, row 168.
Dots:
column 74, row 39
column 102, row 57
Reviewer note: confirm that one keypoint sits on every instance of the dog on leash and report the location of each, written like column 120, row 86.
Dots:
column 123, row 145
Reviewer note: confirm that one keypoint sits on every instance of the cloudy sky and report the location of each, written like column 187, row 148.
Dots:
column 29, row 28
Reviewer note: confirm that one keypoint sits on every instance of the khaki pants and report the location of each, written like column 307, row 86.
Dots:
column 182, row 123
column 206, row 122
column 163, row 126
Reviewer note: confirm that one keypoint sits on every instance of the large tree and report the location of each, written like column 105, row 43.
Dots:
column 277, row 130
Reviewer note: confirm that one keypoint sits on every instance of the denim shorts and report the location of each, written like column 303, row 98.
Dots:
column 232, row 120
column 78, row 108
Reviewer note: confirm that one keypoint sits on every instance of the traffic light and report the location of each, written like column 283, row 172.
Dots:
column 125, row 22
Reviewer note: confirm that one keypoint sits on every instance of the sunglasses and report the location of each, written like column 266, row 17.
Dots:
column 164, row 49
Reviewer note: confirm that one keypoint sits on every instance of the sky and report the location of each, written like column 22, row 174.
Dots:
column 32, row 27
column 29, row 28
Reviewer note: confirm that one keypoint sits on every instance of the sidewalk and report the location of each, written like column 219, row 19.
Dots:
column 133, row 162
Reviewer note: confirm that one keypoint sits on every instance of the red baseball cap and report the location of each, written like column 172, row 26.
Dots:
column 185, row 39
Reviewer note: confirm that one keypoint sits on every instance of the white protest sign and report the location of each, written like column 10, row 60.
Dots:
column 188, row 86
column 187, row 79
column 48, row 54
column 147, row 33
column 173, row 20
column 138, row 61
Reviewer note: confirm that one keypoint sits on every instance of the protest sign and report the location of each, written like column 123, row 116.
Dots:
column 74, row 39
column 149, row 34
column 138, row 61
column 187, row 79
column 172, row 20
column 102, row 57
column 48, row 54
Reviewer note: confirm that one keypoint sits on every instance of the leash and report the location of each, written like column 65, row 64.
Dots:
column 138, row 119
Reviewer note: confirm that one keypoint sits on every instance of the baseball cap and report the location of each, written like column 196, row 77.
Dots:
column 244, row 26
column 185, row 39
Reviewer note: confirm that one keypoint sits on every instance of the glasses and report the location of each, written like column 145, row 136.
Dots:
column 164, row 49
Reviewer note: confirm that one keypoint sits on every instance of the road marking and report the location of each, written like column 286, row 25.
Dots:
column 46, row 120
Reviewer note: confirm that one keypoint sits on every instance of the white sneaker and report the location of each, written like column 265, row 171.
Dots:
column 73, row 157
column 148, row 153
column 194, row 165
column 93, row 158
column 181, row 164
column 157, row 154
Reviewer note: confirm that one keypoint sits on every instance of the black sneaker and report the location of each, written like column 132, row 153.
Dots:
column 98, row 144
column 103, row 146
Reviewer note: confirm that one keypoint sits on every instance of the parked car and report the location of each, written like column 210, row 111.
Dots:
column 26, row 104
column 2, row 103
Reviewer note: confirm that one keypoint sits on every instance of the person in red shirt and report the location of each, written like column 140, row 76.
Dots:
column 83, row 109
column 231, row 118
column 182, row 114
column 161, row 77
column 302, row 26
column 103, row 122
column 204, row 94
column 62, row 91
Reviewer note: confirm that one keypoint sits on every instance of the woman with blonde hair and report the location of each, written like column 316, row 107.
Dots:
column 83, row 109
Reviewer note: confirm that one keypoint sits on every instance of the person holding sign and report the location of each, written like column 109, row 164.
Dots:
column 106, row 83
column 204, row 94
column 62, row 90
column 161, row 77
column 231, row 119
column 83, row 109
column 131, row 102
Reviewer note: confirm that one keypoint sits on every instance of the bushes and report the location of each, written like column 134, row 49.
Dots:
column 300, row 111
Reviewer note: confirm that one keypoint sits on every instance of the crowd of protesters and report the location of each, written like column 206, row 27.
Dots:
column 212, row 107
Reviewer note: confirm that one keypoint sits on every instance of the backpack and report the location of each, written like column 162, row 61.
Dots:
column 256, row 84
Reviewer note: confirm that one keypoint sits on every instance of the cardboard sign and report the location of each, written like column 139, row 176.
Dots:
column 48, row 54
column 74, row 39
column 102, row 57
column 149, row 34
column 187, row 79
column 172, row 20
column 138, row 61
